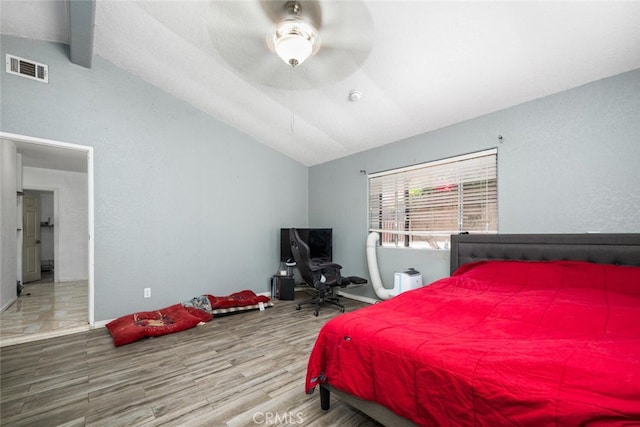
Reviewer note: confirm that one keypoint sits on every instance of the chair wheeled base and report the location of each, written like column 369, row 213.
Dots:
column 320, row 300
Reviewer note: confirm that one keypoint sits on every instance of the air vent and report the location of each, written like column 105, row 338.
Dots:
column 27, row 68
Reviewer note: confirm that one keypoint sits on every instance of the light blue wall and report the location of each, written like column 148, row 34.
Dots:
column 8, row 224
column 187, row 205
column 183, row 203
column 568, row 163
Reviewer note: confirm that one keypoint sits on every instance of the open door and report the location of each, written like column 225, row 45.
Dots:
column 31, row 237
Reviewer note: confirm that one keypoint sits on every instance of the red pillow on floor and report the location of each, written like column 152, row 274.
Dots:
column 200, row 314
column 134, row 327
column 238, row 299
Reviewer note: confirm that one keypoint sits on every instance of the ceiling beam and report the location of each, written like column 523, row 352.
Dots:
column 82, row 22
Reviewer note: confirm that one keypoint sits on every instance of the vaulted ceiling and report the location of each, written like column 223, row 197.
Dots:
column 419, row 65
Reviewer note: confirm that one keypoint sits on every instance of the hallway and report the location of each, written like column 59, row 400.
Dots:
column 44, row 310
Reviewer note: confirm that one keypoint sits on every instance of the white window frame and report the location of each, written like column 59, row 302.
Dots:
column 430, row 225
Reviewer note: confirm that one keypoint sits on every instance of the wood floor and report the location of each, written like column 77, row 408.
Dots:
column 46, row 309
column 244, row 369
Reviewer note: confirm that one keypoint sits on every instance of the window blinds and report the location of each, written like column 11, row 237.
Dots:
column 423, row 205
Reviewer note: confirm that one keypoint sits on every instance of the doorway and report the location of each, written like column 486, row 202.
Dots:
column 47, row 152
column 39, row 236
column 31, row 244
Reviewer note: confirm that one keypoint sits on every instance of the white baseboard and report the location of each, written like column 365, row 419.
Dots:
column 100, row 324
column 358, row 297
column 24, row 338
column 70, row 279
column 7, row 305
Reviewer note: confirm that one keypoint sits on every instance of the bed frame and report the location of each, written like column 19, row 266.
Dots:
column 620, row 249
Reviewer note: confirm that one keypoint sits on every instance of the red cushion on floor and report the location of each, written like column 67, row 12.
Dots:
column 238, row 299
column 200, row 314
column 134, row 327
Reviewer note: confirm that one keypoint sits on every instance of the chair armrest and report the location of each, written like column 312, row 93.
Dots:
column 324, row 266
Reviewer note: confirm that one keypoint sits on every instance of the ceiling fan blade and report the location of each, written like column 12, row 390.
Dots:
column 238, row 16
column 347, row 25
column 347, row 38
column 355, row 42
column 239, row 29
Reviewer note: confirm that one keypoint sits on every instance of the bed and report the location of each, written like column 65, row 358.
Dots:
column 528, row 330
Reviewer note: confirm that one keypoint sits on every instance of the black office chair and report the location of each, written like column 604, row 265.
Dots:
column 324, row 276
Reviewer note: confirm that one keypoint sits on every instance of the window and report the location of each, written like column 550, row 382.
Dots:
column 421, row 206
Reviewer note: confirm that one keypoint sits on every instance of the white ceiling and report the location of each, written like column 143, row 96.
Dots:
column 50, row 157
column 420, row 65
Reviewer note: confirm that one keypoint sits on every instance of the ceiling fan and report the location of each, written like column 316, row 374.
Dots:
column 325, row 41
column 295, row 38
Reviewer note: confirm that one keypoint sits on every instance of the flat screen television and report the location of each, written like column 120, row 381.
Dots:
column 319, row 240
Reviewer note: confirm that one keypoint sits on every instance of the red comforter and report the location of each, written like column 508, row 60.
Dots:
column 498, row 343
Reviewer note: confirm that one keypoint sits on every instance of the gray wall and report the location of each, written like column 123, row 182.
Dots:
column 187, row 205
column 8, row 224
column 183, row 203
column 568, row 163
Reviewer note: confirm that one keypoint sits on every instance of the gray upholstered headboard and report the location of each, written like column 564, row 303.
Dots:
column 622, row 249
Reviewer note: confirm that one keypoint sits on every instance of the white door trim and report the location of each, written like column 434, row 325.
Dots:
column 89, row 151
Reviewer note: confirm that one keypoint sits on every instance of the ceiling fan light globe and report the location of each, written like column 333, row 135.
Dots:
column 293, row 49
column 294, row 40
